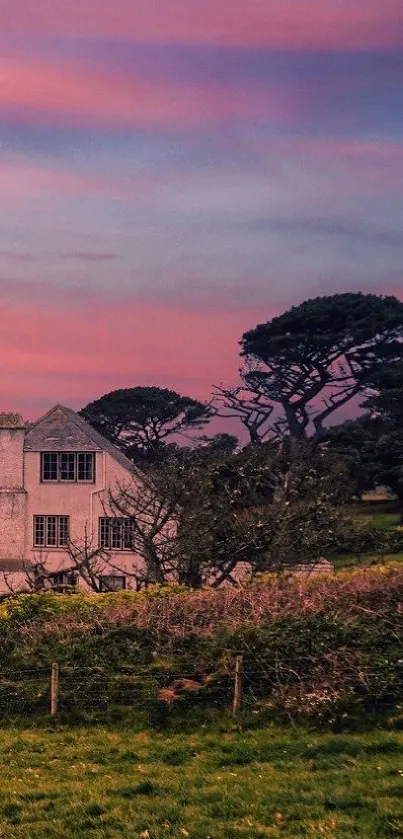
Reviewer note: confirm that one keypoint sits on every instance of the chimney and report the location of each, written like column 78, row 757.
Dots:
column 13, row 498
column 12, row 435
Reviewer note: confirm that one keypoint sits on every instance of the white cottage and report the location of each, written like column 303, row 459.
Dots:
column 55, row 481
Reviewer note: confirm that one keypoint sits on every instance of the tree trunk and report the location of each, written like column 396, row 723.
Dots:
column 294, row 427
column 155, row 572
column 190, row 576
column 397, row 487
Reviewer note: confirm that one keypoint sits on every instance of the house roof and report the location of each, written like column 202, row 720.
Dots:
column 61, row 429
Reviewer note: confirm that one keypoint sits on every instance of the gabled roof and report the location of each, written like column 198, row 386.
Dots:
column 62, row 430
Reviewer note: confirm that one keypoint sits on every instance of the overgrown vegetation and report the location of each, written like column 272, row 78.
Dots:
column 326, row 649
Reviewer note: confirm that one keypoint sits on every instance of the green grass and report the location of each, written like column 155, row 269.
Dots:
column 341, row 561
column 376, row 515
column 372, row 513
column 93, row 783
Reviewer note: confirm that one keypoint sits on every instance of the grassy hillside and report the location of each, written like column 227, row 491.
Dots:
column 101, row 784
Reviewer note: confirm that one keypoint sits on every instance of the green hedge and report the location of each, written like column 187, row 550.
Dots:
column 332, row 663
column 375, row 541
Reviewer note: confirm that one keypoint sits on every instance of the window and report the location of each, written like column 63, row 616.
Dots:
column 85, row 466
column 112, row 582
column 68, row 466
column 116, row 534
column 51, row 531
column 63, row 582
column 49, row 466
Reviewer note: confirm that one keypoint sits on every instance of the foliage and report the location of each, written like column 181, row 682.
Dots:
column 324, row 647
column 361, row 540
column 372, row 445
column 310, row 361
column 262, row 508
column 386, row 400
column 372, row 450
column 198, row 518
column 220, row 445
column 140, row 420
column 174, row 612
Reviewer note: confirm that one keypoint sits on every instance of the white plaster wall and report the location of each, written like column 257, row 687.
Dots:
column 83, row 503
column 13, row 506
column 12, row 494
column 11, row 458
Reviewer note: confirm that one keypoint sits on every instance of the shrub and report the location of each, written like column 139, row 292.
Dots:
column 319, row 647
column 363, row 540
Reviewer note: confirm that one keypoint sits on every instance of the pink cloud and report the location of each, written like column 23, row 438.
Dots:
column 64, row 352
column 36, row 89
column 76, row 349
column 280, row 23
column 23, row 185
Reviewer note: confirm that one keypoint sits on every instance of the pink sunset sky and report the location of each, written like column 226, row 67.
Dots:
column 174, row 171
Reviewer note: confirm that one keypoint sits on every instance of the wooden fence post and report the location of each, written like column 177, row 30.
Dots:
column 54, row 689
column 236, row 705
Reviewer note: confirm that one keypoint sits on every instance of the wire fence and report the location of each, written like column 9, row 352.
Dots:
column 53, row 690
column 250, row 680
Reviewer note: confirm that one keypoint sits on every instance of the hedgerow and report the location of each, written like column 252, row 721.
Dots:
column 325, row 647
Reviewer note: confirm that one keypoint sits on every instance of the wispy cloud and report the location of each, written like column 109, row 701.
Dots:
column 17, row 257
column 99, row 346
column 49, row 90
column 330, row 24
column 170, row 90
column 172, row 173
column 344, row 229
column 88, row 256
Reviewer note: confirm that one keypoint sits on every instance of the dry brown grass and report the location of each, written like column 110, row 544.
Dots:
column 376, row 591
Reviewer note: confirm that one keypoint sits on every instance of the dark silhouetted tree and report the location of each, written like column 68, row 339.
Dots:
column 301, row 367
column 372, row 445
column 260, row 508
column 386, row 399
column 140, row 420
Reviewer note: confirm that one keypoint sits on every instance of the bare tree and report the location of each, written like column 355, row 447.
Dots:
column 82, row 560
column 151, row 506
column 251, row 408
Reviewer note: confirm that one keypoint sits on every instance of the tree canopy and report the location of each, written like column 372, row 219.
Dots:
column 140, row 420
column 372, row 445
column 386, row 399
column 301, row 367
column 207, row 521
column 204, row 508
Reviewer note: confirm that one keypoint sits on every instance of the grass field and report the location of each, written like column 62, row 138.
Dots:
column 381, row 515
column 375, row 512
column 341, row 561
column 265, row 783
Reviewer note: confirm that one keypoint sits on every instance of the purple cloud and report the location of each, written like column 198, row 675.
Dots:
column 89, row 256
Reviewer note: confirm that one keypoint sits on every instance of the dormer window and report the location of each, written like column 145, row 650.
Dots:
column 68, row 467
